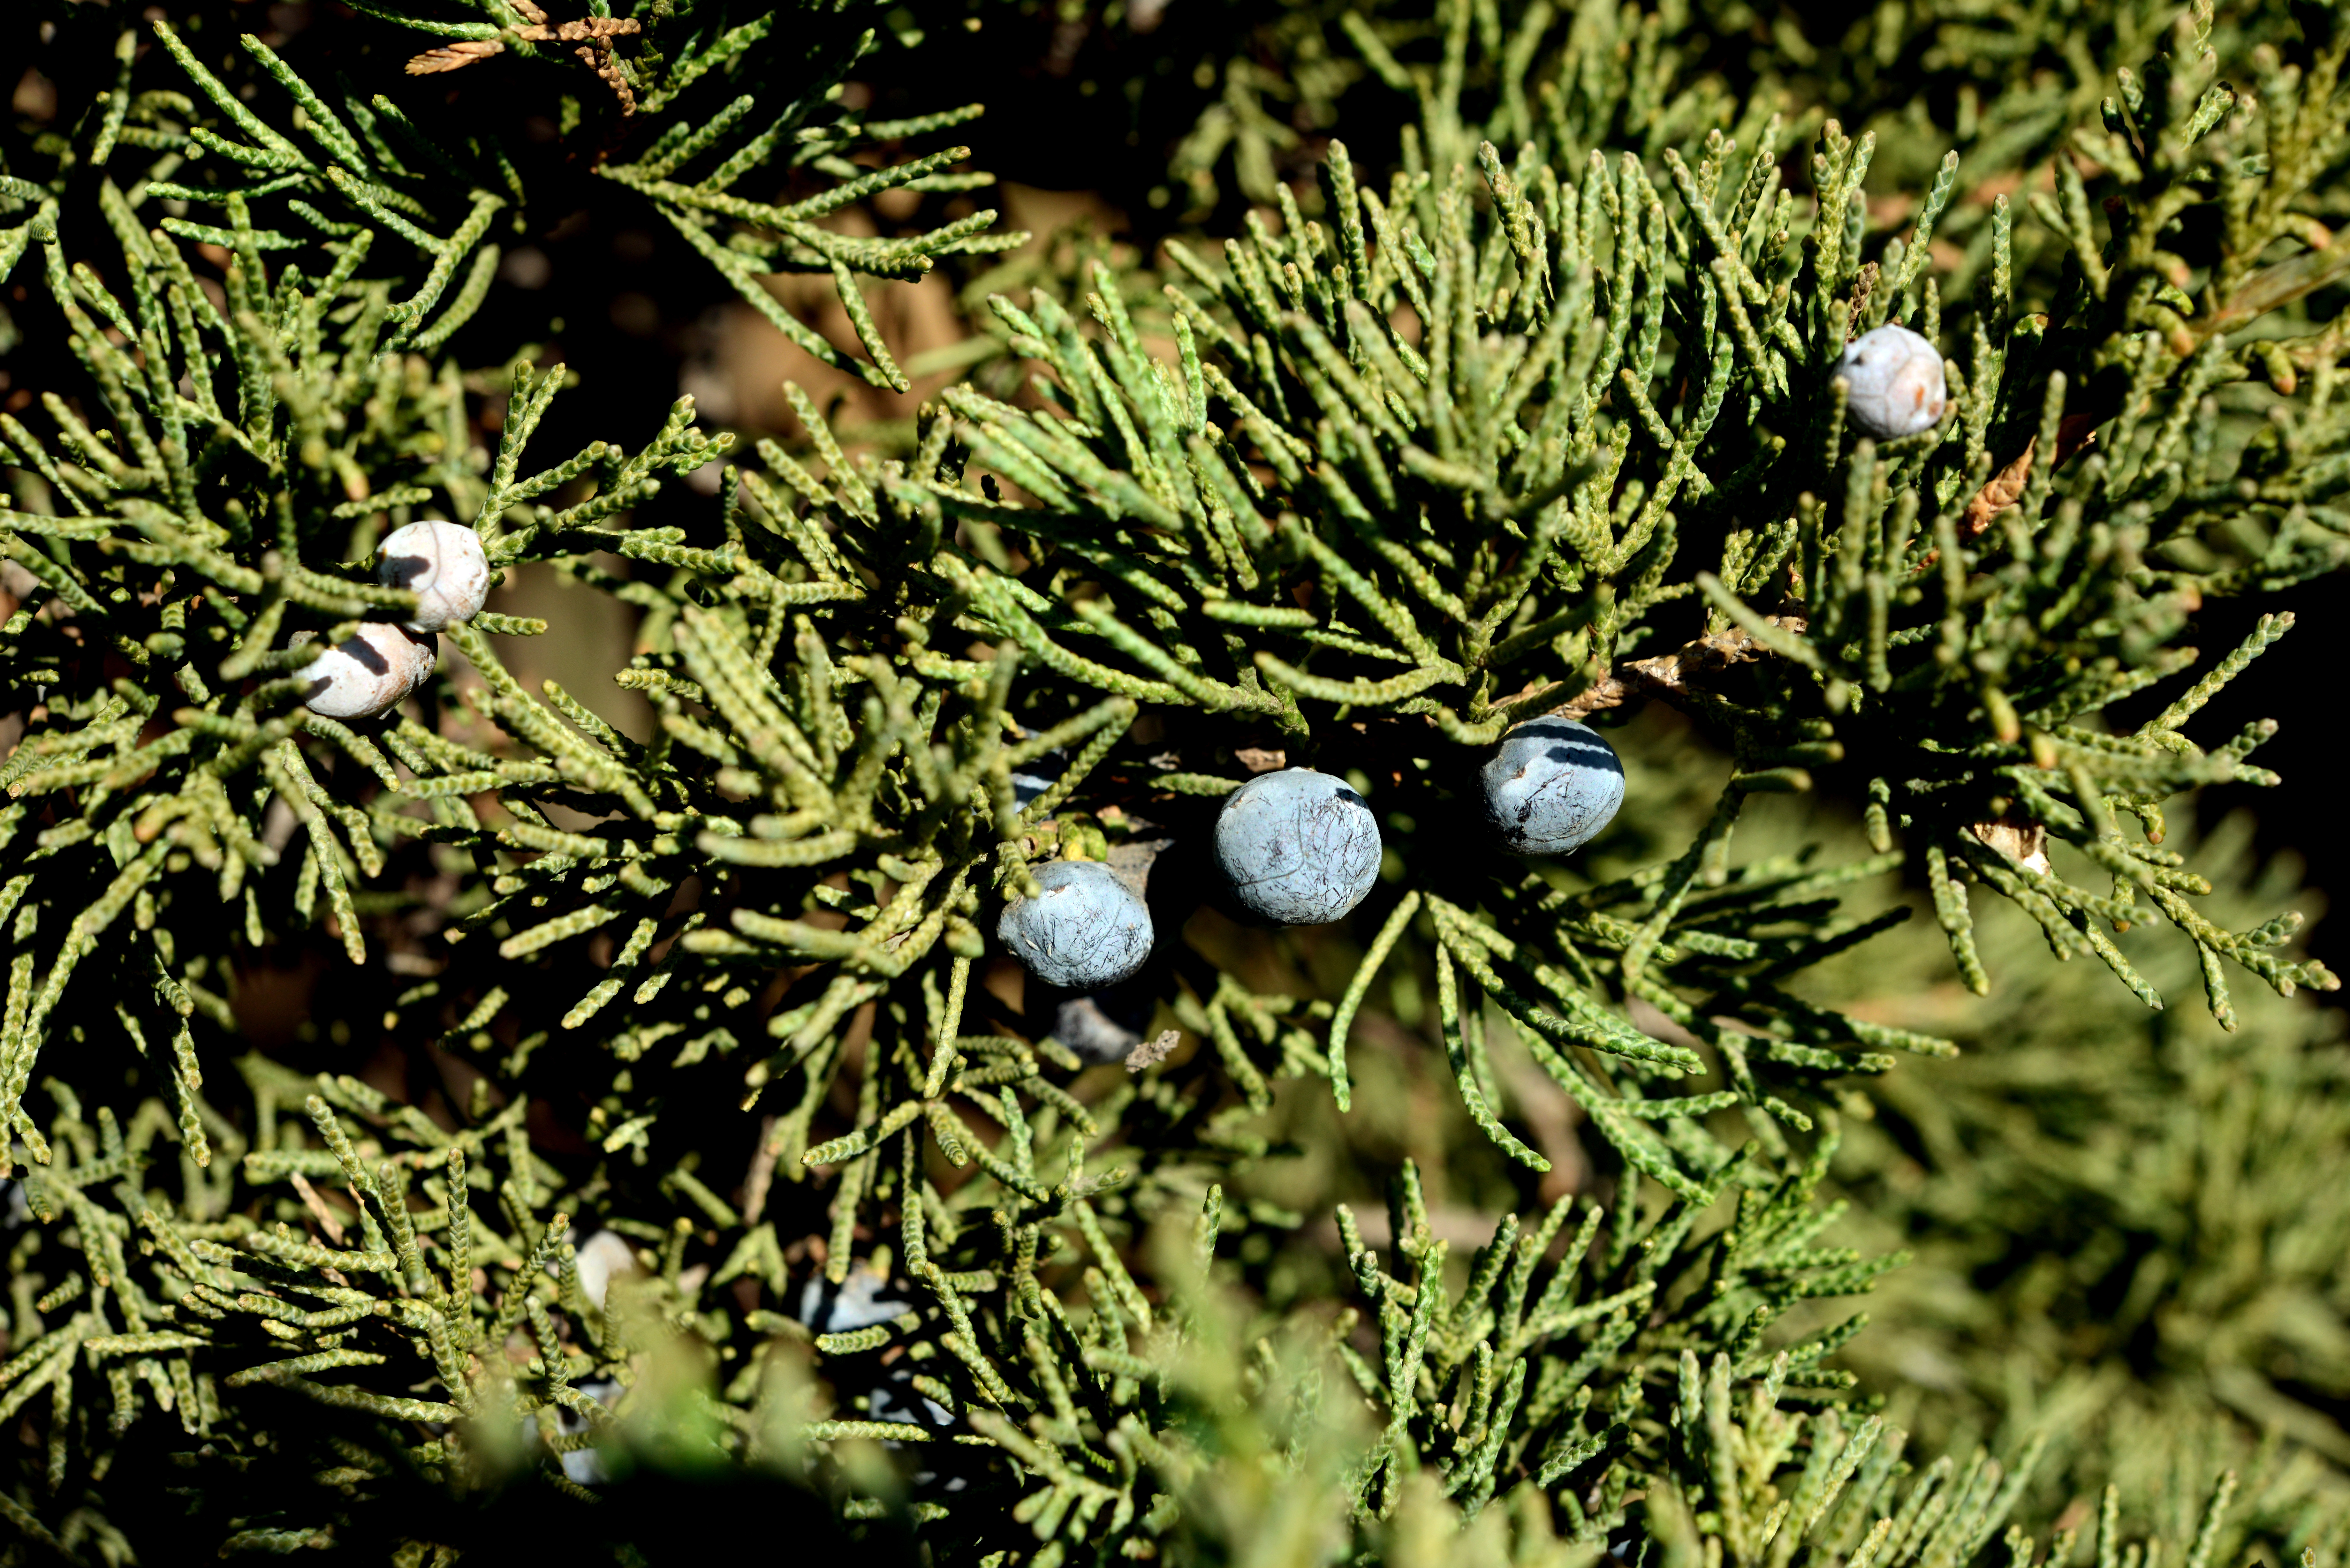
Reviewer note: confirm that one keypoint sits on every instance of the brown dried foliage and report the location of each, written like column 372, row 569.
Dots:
column 592, row 34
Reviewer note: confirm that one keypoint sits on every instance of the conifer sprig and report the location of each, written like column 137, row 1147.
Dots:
column 713, row 1073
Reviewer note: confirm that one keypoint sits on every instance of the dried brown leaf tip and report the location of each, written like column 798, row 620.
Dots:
column 2003, row 490
column 453, row 57
column 1152, row 1052
column 2022, row 840
column 1862, row 286
column 600, row 59
column 593, row 35
column 2006, row 487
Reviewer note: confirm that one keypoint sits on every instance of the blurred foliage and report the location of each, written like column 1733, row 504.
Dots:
column 2116, row 1218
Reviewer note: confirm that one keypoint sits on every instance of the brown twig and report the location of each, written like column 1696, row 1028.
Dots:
column 1674, row 675
column 1670, row 675
column 762, row 1172
column 326, row 1217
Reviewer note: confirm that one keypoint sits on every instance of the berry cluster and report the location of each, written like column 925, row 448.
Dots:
column 1298, row 847
column 373, row 670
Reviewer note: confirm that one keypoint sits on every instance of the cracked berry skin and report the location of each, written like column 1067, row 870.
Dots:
column 1083, row 930
column 1297, row 847
column 1552, row 787
column 1895, row 381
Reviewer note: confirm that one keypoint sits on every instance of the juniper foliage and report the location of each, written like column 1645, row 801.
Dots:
column 1542, row 417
